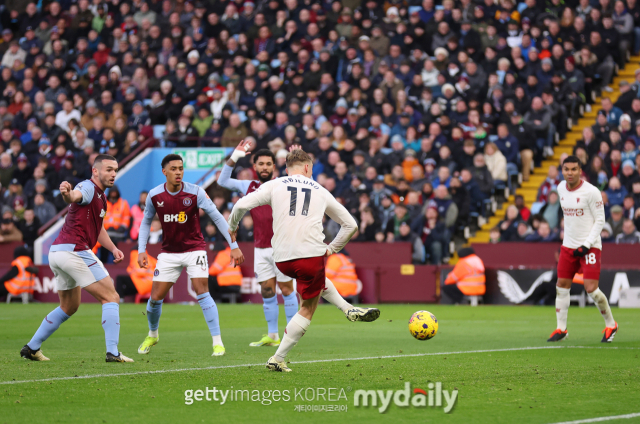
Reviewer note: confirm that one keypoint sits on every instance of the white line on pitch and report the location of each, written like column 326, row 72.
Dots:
column 124, row 374
column 597, row 420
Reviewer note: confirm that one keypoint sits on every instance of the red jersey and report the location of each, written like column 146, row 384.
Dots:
column 83, row 223
column 180, row 218
column 262, row 221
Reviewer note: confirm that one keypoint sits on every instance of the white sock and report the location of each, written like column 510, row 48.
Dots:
column 274, row 336
column 562, row 307
column 153, row 333
column 331, row 295
column 603, row 305
column 217, row 340
column 292, row 334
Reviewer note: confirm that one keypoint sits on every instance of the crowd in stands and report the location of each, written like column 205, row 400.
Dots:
column 416, row 112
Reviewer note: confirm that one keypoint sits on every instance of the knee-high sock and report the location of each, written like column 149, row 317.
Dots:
column 154, row 310
column 290, row 305
column 271, row 311
column 331, row 295
column 292, row 334
column 111, row 325
column 562, row 307
column 210, row 311
column 49, row 325
column 603, row 305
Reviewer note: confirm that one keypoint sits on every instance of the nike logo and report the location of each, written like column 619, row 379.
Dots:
column 160, row 204
column 92, row 264
column 104, row 321
column 47, row 319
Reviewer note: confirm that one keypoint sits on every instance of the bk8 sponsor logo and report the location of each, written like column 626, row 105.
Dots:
column 180, row 218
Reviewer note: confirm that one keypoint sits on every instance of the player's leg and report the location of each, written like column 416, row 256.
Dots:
column 310, row 278
column 64, row 266
column 353, row 313
column 167, row 271
column 293, row 333
column 288, row 294
column 104, row 292
column 210, row 312
column 198, row 270
column 69, row 303
column 568, row 265
column 591, row 270
column 271, row 312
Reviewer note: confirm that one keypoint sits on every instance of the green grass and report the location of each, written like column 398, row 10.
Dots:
column 523, row 386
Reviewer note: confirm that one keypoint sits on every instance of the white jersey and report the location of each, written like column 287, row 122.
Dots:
column 298, row 205
column 583, row 211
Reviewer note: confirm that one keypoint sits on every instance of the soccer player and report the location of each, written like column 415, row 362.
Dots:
column 75, row 266
column 264, row 267
column 177, row 204
column 298, row 205
column 583, row 211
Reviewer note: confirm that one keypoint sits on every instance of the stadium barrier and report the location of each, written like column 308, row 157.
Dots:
column 388, row 276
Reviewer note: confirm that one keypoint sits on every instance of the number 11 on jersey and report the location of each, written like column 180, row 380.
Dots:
column 294, row 200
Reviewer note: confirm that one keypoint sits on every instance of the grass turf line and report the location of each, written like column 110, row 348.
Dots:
column 547, row 385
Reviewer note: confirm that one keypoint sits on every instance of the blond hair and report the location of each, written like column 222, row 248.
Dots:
column 298, row 157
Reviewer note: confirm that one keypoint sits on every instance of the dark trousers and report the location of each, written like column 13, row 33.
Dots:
column 453, row 292
column 125, row 286
column 217, row 290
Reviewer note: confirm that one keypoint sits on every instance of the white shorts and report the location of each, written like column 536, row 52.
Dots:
column 170, row 266
column 76, row 269
column 265, row 267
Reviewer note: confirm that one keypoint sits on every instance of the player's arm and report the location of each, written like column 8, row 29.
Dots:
column 106, row 242
column 348, row 225
column 143, row 234
column 225, row 179
column 207, row 205
column 260, row 197
column 82, row 193
column 596, row 206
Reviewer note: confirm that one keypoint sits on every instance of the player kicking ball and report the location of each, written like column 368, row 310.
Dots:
column 264, row 266
column 583, row 211
column 177, row 204
column 298, row 205
column 76, row 267
column 265, row 269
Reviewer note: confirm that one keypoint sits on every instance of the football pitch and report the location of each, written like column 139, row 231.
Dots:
column 496, row 357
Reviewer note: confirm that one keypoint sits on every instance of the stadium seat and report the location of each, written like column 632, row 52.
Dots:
column 25, row 297
column 473, row 300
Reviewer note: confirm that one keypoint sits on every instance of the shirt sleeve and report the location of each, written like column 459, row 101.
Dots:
column 260, row 197
column 596, row 206
column 227, row 182
column 348, row 225
column 87, row 189
column 205, row 203
column 145, row 225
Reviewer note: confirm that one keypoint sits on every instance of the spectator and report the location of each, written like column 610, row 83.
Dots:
column 434, row 234
column 544, row 233
column 550, row 183
column 616, row 221
column 551, row 211
column 539, row 120
column 43, row 209
column 8, row 231
column 629, row 233
column 616, row 192
column 29, row 226
column 509, row 225
column 496, row 162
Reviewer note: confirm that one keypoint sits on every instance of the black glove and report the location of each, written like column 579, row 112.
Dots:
column 580, row 251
